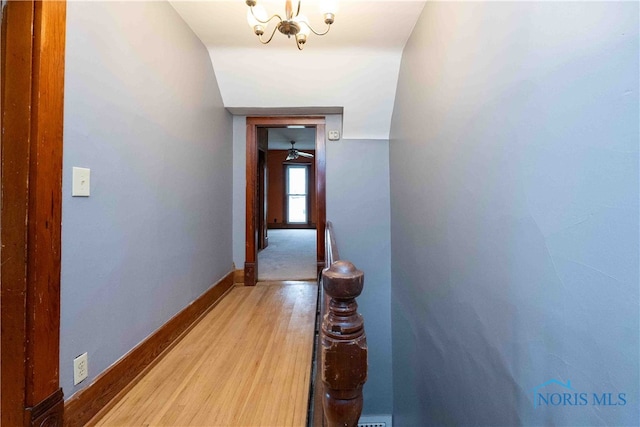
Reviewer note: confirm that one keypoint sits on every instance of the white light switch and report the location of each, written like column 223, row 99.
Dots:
column 81, row 182
column 334, row 135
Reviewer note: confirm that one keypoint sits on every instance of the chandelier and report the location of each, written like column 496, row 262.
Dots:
column 293, row 24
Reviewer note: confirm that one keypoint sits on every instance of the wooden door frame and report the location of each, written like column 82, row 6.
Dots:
column 33, row 46
column 263, row 240
column 251, row 242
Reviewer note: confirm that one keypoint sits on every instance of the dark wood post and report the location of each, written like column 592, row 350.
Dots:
column 344, row 346
column 32, row 71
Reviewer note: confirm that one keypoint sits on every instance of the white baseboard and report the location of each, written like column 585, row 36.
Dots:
column 380, row 420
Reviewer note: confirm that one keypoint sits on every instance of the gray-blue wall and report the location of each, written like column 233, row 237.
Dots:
column 144, row 113
column 358, row 206
column 514, row 215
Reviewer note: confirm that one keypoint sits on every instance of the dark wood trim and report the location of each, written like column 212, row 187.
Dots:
column 285, row 196
column 250, row 275
column 47, row 413
column 284, row 121
column 263, row 238
column 45, row 202
column 16, row 126
column 251, row 250
column 251, row 246
column 321, row 200
column 82, row 407
column 32, row 119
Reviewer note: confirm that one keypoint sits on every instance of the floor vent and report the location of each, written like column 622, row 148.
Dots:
column 375, row 420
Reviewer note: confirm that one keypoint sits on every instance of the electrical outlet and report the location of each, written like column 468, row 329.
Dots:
column 80, row 368
column 334, row 135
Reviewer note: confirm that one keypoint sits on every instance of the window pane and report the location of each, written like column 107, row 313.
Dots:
column 297, row 209
column 297, row 180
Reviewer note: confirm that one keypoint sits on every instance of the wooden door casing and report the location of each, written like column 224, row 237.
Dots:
column 33, row 47
column 254, row 126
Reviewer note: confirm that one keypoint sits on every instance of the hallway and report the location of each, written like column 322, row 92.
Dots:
column 480, row 164
column 247, row 362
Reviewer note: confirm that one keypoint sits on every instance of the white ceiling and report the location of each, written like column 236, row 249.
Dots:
column 355, row 66
column 280, row 138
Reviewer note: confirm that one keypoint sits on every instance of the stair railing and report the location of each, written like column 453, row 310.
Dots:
column 343, row 345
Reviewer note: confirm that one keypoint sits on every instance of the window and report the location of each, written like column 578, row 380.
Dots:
column 297, row 185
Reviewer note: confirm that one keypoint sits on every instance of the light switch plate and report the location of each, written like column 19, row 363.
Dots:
column 334, row 135
column 81, row 182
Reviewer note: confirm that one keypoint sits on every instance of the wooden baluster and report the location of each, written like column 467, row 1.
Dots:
column 344, row 346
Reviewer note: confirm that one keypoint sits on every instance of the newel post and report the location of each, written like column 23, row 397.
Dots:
column 344, row 346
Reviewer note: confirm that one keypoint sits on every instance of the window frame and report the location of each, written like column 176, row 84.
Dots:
column 296, row 165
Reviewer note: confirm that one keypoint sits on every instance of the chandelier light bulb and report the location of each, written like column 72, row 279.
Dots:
column 255, row 15
column 304, row 27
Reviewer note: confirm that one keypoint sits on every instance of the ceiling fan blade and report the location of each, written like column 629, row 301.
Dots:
column 307, row 155
column 293, row 154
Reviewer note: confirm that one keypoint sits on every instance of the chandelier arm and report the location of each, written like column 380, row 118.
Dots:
column 315, row 32
column 270, row 37
column 298, row 10
column 299, row 45
column 268, row 20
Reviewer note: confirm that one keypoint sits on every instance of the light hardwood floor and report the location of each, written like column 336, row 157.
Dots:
column 246, row 363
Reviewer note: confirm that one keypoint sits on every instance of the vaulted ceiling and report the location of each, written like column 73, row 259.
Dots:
column 355, row 66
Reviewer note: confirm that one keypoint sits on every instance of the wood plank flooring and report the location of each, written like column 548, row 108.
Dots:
column 246, row 363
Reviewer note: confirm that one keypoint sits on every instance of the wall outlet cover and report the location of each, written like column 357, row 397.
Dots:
column 80, row 368
column 334, row 135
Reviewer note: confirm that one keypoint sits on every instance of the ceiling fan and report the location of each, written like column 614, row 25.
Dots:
column 294, row 154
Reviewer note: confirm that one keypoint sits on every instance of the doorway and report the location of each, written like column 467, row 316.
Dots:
column 308, row 205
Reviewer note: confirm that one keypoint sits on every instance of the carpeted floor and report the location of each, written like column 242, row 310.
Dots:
column 291, row 255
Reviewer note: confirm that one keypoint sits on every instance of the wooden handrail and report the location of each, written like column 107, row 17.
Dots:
column 343, row 341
